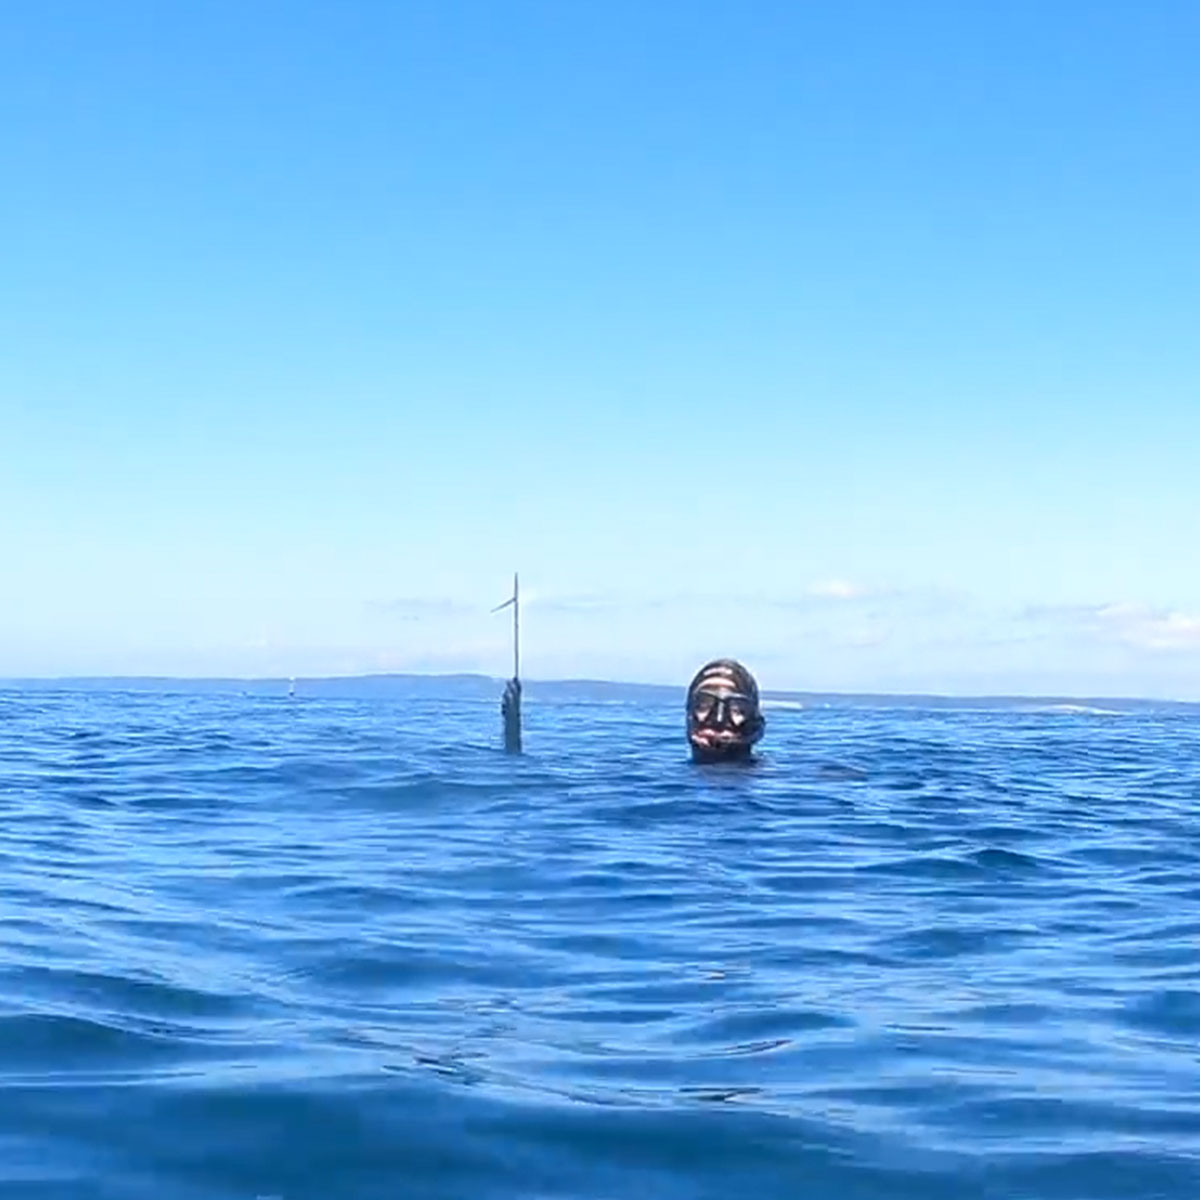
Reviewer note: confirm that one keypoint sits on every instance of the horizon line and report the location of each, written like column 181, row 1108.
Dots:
column 481, row 676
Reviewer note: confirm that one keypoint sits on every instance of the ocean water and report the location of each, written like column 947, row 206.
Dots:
column 258, row 948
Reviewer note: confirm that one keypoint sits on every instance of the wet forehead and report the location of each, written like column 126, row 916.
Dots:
column 719, row 681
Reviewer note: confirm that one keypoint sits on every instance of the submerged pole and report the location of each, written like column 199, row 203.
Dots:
column 510, row 706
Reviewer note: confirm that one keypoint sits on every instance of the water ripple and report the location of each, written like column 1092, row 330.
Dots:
column 259, row 948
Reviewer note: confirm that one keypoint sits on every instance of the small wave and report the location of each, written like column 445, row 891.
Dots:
column 1079, row 710
column 310, row 951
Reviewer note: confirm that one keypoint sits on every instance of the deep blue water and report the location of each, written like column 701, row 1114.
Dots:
column 333, row 949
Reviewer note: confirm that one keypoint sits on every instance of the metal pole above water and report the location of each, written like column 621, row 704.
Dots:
column 510, row 706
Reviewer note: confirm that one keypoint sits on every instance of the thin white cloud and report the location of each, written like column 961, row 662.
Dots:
column 837, row 589
column 419, row 608
column 1137, row 626
column 582, row 602
column 865, row 637
column 1150, row 630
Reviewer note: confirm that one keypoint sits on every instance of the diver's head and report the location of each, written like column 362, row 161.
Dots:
column 724, row 721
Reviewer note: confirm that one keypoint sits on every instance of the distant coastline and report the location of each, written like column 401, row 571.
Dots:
column 485, row 688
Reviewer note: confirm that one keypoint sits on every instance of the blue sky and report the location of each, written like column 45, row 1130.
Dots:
column 857, row 340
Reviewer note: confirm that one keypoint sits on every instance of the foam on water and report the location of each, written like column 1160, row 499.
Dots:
column 252, row 947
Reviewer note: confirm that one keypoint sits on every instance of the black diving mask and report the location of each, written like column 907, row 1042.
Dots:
column 723, row 710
